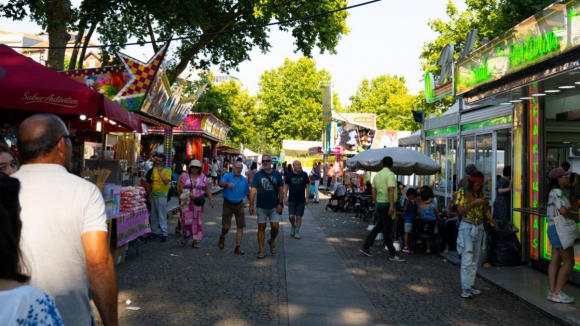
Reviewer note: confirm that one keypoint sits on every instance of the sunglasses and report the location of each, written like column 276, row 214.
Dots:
column 70, row 136
column 266, row 161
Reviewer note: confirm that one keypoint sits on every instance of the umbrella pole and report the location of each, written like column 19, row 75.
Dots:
column 103, row 147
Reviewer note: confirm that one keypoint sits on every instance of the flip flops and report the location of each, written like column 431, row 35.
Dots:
column 272, row 246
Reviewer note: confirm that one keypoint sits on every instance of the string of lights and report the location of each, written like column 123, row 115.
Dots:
column 209, row 34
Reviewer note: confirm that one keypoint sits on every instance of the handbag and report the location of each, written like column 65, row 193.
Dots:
column 198, row 201
column 568, row 231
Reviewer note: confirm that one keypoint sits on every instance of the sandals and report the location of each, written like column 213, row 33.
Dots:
column 261, row 255
column 272, row 246
column 184, row 241
column 194, row 245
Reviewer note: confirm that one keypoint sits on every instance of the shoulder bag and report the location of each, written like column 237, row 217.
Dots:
column 275, row 189
column 197, row 201
column 568, row 231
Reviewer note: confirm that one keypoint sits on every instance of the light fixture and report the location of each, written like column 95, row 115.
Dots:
column 552, row 91
column 526, row 98
column 106, row 119
column 566, row 87
column 98, row 126
column 112, row 122
column 538, row 94
column 515, row 101
column 83, row 117
column 577, row 83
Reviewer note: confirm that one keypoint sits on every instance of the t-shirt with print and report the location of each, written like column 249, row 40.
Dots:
column 267, row 196
column 158, row 188
column 428, row 214
column 556, row 200
column 475, row 213
column 297, row 184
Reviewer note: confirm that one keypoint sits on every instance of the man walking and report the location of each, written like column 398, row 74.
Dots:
column 268, row 191
column 297, row 189
column 158, row 178
column 64, row 229
column 384, row 185
column 235, row 188
column 316, row 175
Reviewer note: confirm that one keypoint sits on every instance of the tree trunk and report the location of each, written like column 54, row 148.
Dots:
column 151, row 33
column 86, row 43
column 58, row 16
column 78, row 40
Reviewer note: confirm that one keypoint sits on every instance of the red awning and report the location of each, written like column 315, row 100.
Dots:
column 27, row 85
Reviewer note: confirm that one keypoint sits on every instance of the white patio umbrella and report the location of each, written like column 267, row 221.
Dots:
column 405, row 161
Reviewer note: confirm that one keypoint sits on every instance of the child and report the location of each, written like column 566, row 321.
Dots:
column 410, row 212
column 428, row 212
column 312, row 190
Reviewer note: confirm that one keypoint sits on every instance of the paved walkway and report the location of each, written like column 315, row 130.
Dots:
column 321, row 288
column 321, row 279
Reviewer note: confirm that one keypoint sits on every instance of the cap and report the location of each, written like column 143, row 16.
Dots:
column 195, row 163
column 470, row 169
column 556, row 173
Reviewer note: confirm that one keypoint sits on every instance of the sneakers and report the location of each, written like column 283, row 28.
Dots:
column 293, row 231
column 474, row 290
column 297, row 235
column 163, row 238
column 561, row 298
column 550, row 294
column 397, row 258
column 365, row 251
column 153, row 236
column 408, row 250
column 466, row 294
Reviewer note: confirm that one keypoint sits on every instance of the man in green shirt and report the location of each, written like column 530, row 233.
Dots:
column 384, row 190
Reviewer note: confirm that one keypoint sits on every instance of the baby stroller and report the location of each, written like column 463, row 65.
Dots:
column 336, row 199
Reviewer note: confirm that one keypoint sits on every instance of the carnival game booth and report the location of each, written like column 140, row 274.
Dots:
column 522, row 95
column 197, row 130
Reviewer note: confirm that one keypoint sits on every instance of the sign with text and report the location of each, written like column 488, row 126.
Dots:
column 545, row 35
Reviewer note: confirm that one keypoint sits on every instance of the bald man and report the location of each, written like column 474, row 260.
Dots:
column 64, row 230
column 296, row 191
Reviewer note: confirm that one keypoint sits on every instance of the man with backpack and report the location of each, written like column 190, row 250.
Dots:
column 268, row 191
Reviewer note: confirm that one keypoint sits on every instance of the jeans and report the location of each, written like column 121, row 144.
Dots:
column 384, row 226
column 316, row 183
column 469, row 260
column 159, row 214
column 328, row 182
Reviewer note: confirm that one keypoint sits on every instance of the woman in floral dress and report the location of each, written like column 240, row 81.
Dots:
column 192, row 216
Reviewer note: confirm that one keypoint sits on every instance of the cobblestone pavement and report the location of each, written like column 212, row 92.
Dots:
column 209, row 286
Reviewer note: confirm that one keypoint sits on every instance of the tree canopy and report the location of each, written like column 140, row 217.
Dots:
column 388, row 97
column 154, row 20
column 290, row 101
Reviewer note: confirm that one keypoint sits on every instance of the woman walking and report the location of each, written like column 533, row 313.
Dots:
column 558, row 204
column 502, row 205
column 472, row 206
column 196, row 184
column 253, row 171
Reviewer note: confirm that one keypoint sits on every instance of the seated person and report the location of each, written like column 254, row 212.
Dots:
column 428, row 211
column 368, row 188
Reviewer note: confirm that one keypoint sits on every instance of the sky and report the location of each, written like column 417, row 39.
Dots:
column 385, row 38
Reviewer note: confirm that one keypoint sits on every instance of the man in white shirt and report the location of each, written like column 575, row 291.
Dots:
column 64, row 230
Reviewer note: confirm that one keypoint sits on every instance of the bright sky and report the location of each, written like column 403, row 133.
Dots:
column 386, row 38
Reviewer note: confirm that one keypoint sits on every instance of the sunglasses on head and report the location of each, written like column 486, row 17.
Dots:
column 266, row 161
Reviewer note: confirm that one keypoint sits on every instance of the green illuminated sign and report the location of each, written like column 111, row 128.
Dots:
column 442, row 131
column 538, row 38
column 487, row 123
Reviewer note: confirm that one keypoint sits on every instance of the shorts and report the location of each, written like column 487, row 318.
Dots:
column 267, row 214
column 553, row 237
column 408, row 227
column 237, row 210
column 296, row 208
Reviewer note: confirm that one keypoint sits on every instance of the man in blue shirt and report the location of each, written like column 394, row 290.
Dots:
column 235, row 188
column 268, row 190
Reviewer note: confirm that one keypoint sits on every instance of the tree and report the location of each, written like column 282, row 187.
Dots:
column 236, row 108
column 53, row 15
column 291, row 101
column 388, row 97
